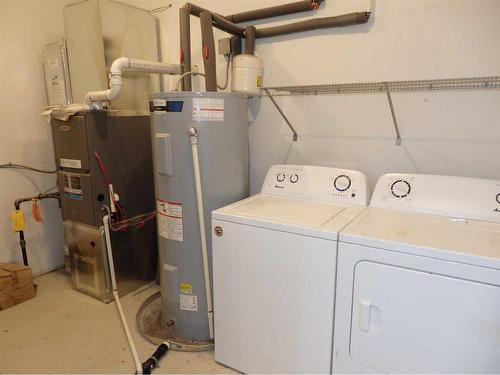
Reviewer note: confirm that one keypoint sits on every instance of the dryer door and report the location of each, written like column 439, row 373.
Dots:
column 406, row 320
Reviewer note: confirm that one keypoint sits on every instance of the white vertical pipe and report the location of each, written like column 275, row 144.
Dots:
column 203, row 236
column 137, row 361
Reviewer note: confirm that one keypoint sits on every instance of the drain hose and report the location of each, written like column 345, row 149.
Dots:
column 153, row 361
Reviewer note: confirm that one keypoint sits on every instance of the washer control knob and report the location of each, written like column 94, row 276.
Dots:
column 342, row 182
column 294, row 178
column 280, row 177
column 400, row 188
column 498, row 198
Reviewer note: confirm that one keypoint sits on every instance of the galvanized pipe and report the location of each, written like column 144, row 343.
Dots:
column 278, row 10
column 208, row 50
column 314, row 24
column 185, row 51
column 250, row 40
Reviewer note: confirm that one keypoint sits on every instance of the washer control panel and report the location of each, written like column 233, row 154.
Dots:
column 461, row 197
column 317, row 183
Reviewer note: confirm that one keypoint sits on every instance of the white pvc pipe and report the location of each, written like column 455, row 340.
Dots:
column 137, row 361
column 201, row 218
column 96, row 98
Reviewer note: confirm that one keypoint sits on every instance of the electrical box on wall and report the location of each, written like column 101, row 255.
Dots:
column 225, row 46
column 56, row 72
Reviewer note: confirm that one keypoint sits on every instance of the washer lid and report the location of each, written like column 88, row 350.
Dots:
column 460, row 240
column 308, row 217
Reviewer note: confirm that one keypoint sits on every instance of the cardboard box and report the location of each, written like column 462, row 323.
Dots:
column 16, row 284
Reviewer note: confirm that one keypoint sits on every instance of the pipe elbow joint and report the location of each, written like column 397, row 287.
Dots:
column 114, row 91
column 118, row 65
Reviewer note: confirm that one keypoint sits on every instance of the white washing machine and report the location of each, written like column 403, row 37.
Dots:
column 418, row 282
column 274, row 257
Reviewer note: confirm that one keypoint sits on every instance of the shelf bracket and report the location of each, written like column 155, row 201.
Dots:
column 393, row 114
column 282, row 114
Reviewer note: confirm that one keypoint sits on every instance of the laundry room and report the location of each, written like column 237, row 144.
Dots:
column 266, row 186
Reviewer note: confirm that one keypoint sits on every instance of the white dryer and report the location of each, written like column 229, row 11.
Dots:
column 274, row 258
column 418, row 282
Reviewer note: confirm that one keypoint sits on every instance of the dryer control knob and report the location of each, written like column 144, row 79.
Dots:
column 294, row 178
column 498, row 198
column 400, row 188
column 280, row 177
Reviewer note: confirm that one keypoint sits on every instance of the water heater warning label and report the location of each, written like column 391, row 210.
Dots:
column 169, row 220
column 188, row 302
column 208, row 109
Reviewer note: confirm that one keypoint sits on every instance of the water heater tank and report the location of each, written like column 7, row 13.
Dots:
column 222, row 140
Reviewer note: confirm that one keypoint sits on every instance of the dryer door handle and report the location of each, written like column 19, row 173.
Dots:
column 364, row 313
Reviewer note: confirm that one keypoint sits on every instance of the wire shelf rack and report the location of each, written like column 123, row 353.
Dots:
column 387, row 88
column 476, row 83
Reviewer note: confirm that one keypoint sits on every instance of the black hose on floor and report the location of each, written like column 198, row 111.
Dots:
column 154, row 360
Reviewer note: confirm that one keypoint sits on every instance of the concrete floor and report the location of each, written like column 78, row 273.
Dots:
column 64, row 331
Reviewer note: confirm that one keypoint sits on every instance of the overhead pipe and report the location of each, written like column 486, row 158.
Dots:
column 185, row 51
column 314, row 24
column 275, row 11
column 258, row 14
column 94, row 99
column 248, row 63
column 250, row 40
column 196, row 10
column 226, row 25
column 208, row 47
column 219, row 21
column 235, row 46
column 223, row 24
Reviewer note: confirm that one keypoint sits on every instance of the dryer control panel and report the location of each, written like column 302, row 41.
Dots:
column 317, row 183
column 460, row 197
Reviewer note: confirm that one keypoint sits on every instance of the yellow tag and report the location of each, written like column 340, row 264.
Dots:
column 259, row 81
column 17, row 218
column 186, row 288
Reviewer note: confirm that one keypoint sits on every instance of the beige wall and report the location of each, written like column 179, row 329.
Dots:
column 25, row 26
